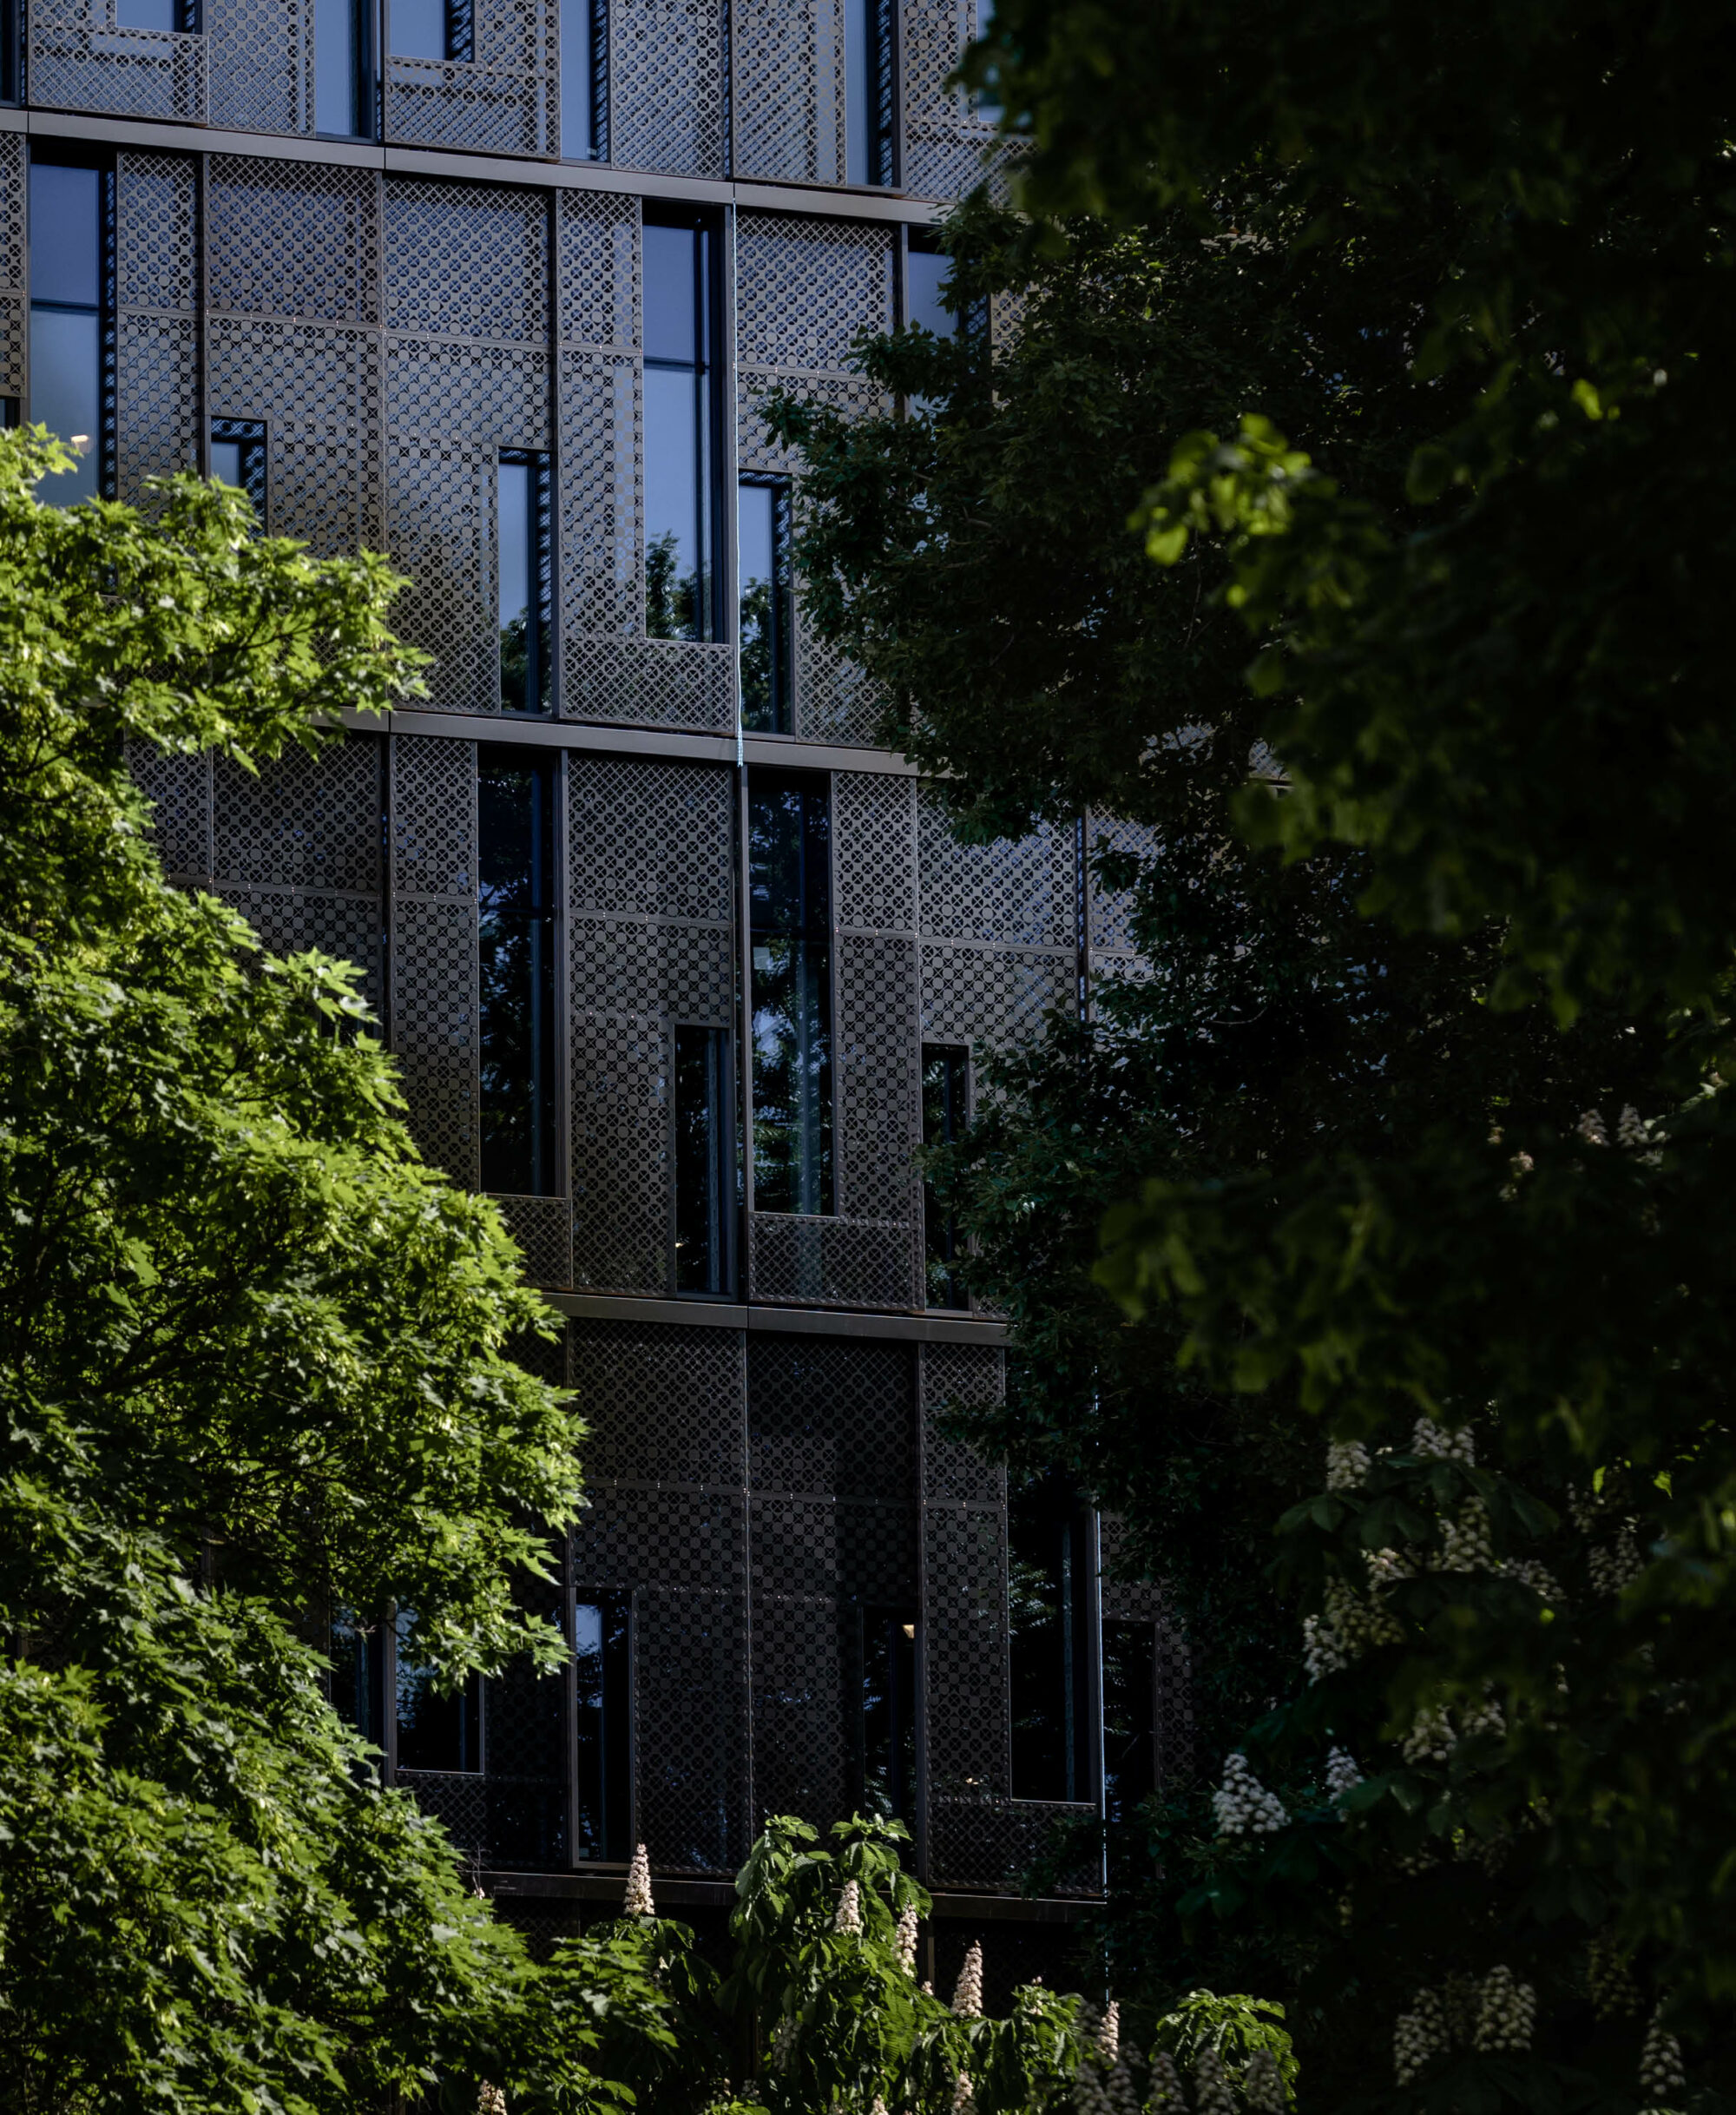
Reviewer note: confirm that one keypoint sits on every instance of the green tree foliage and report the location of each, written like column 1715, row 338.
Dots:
column 253, row 1363
column 1457, row 879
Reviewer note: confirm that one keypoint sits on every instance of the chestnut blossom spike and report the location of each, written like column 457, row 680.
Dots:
column 849, row 1916
column 1110, row 2034
column 906, row 1938
column 1167, row 2096
column 489, row 2100
column 967, row 1999
column 637, row 1901
column 1242, row 1804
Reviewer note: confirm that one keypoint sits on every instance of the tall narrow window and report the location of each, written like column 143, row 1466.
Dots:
column 888, row 1734
column 523, row 567
column 432, row 30
column 584, row 80
column 601, row 1650
column 343, row 68
column 679, row 432
column 868, row 91
column 358, row 1648
column 516, row 893
column 766, row 613
column 12, row 40
column 437, row 1728
column 238, row 458
column 72, row 303
column 1129, row 1717
column 703, row 1188
column 926, row 269
column 790, row 886
column 1050, row 1596
column 946, row 1075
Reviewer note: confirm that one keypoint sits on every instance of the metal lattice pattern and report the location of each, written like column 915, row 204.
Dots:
column 651, row 841
column 178, row 790
column 156, row 329
column 466, row 261
column 305, row 821
column 14, row 262
column 598, row 235
column 690, row 1380
column 650, row 683
column 876, row 852
column 788, row 103
column 1112, row 909
column 81, row 58
column 292, row 240
column 318, row 391
column 503, row 102
column 1017, row 892
column 665, row 86
column 433, row 1030
column 825, row 1416
column 433, row 817
column 969, row 1729
column 542, row 1227
column 880, row 1077
column 971, row 1377
column 261, row 64
column 439, row 517
column 832, row 1262
column 691, row 1729
column 992, row 998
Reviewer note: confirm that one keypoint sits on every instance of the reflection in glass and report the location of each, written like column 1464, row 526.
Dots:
column 1129, row 1716
column 515, row 899
column 1048, row 1596
column 166, row 14
column 238, row 458
column 522, row 569
column 946, row 1116
column 601, row 1650
column 421, row 30
column 703, row 1132
column 357, row 1658
column 341, row 61
column 867, row 91
column 437, row 1728
column 925, row 273
column 888, row 1726
column 71, row 337
column 766, row 613
column 789, row 879
column 678, row 440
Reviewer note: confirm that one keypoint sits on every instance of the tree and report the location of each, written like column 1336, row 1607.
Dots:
column 254, row 1362
column 1485, row 1838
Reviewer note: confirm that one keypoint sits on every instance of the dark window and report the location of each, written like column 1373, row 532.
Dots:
column 182, row 14
column 926, row 267
column 789, row 877
column 238, row 458
column 358, row 1674
column 884, row 1744
column 868, row 94
column 343, row 68
column 515, row 895
column 946, row 1078
column 703, row 1160
column 432, row 30
column 72, row 307
column 12, row 43
column 766, row 613
column 437, row 1728
column 988, row 98
column 600, row 1653
column 1129, row 1716
column 679, row 432
column 1049, row 1597
column 584, row 80
column 524, row 556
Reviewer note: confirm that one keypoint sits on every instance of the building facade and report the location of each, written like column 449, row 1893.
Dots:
column 677, row 964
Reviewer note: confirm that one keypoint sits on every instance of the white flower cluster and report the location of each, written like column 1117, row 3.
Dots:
column 1590, row 1127
column 878, row 2105
column 1110, row 2034
column 1342, row 1773
column 1323, row 1650
column 1212, row 2091
column 1613, row 1566
column 1435, row 1442
column 1167, row 2096
column 1242, row 1805
column 1541, row 1581
column 1585, row 1506
column 1465, row 1545
column 1613, row 1988
column 1263, row 2084
column 1418, row 2037
column 489, row 2100
column 963, row 2093
column 1430, row 1738
column 783, row 2043
column 906, row 1938
column 1506, row 2015
column 1660, row 2064
column 967, row 1999
column 637, row 1901
column 1346, row 1465
column 849, row 1916
column 1351, row 1624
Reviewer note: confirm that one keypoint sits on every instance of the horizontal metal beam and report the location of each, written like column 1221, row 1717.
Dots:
column 610, row 1887
column 835, row 203
column 789, row 751
column 761, row 1319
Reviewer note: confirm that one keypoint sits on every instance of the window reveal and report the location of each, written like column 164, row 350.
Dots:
column 790, row 893
column 517, row 940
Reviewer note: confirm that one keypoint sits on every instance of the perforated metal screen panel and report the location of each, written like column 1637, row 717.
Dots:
column 14, row 261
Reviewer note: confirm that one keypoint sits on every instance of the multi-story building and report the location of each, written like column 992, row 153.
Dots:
column 677, row 964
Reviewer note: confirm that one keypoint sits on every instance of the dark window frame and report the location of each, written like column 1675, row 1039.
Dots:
column 705, row 1207
column 706, row 367
column 253, row 436
column 69, row 154
column 870, row 77
column 543, row 931
column 779, row 714
column 594, row 88
column 799, row 945
column 1052, row 1644
column 942, row 1244
column 366, row 37
column 536, row 698
column 187, row 19
column 602, row 1809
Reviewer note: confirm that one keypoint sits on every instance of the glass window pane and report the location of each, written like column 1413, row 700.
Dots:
column 148, row 14
column 674, row 596
column 513, row 531
column 601, row 1650
column 437, row 1728
column 702, row 1185
column 578, row 57
column 1129, row 1716
column 356, row 1660
column 66, row 235
column 671, row 294
column 66, row 394
column 792, row 1075
column 516, row 963
column 418, row 29
column 764, row 612
column 888, row 1747
column 925, row 272
column 945, row 1080
column 858, row 89
column 1048, row 1592
column 226, row 463
column 337, row 66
